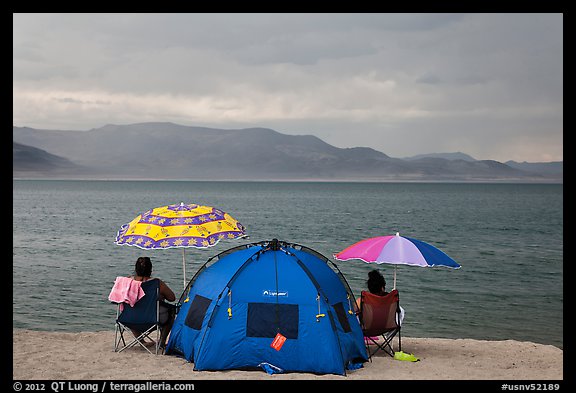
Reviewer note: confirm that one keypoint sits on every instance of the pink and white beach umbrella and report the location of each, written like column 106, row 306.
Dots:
column 396, row 250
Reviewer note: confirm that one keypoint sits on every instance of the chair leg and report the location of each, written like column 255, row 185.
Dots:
column 157, row 339
column 118, row 336
column 378, row 347
column 387, row 346
column 138, row 340
column 366, row 342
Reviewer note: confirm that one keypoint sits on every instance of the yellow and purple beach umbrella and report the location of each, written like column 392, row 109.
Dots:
column 397, row 250
column 180, row 226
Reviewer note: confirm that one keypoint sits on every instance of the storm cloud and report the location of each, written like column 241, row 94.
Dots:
column 489, row 85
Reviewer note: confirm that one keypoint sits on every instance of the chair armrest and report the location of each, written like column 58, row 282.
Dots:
column 169, row 305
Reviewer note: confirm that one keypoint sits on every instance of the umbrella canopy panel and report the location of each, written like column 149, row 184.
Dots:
column 179, row 225
column 397, row 250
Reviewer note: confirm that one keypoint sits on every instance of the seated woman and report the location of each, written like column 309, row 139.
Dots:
column 377, row 285
column 143, row 272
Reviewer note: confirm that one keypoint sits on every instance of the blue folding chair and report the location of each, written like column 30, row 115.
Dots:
column 144, row 317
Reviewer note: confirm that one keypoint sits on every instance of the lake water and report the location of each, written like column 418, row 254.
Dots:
column 508, row 238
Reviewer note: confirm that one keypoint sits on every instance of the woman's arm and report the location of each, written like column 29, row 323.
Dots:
column 166, row 293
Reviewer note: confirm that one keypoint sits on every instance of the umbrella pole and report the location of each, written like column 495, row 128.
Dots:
column 394, row 277
column 184, row 266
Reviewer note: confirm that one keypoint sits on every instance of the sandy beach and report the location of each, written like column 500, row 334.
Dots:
column 90, row 356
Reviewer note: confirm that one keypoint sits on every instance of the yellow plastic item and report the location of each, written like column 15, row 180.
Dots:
column 407, row 357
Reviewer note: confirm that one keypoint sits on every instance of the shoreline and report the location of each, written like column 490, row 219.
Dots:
column 41, row 355
column 305, row 180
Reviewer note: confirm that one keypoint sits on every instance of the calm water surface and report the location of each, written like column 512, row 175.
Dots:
column 507, row 237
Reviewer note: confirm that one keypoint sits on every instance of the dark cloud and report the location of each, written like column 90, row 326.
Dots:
column 377, row 80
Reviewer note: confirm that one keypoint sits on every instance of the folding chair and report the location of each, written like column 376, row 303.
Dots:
column 380, row 316
column 144, row 317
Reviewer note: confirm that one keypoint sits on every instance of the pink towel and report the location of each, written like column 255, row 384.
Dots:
column 126, row 290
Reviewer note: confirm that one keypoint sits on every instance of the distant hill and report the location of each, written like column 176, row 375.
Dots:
column 171, row 151
column 31, row 159
column 446, row 156
column 553, row 169
column 544, row 168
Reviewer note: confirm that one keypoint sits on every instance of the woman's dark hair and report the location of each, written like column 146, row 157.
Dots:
column 376, row 282
column 143, row 267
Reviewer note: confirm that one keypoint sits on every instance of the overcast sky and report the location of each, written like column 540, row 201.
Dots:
column 489, row 85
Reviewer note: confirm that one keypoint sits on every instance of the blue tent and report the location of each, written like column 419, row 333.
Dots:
column 236, row 312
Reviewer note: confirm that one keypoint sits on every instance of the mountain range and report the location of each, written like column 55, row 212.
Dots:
column 172, row 151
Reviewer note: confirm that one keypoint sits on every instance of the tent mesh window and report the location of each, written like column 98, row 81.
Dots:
column 268, row 319
column 342, row 317
column 196, row 312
